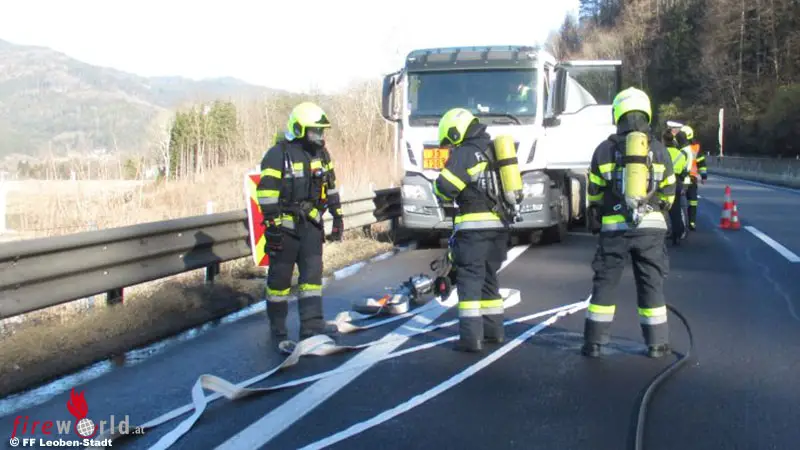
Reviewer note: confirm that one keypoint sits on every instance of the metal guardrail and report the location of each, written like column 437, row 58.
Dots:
column 40, row 273
column 778, row 171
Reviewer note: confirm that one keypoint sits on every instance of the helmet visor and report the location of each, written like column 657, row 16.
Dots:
column 316, row 135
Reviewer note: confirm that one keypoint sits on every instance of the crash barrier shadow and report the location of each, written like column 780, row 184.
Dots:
column 40, row 273
column 777, row 171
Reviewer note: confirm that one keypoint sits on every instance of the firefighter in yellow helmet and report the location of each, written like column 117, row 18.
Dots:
column 676, row 215
column 631, row 187
column 697, row 169
column 297, row 186
column 480, row 236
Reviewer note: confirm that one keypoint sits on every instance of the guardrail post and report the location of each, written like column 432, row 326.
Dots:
column 115, row 297
column 212, row 270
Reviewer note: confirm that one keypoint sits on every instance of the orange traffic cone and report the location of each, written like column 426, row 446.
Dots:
column 725, row 220
column 735, row 225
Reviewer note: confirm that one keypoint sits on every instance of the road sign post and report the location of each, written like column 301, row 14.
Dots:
column 721, row 129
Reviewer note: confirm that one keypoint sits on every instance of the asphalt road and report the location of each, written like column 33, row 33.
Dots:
column 739, row 293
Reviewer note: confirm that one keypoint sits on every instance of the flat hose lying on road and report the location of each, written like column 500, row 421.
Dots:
column 671, row 369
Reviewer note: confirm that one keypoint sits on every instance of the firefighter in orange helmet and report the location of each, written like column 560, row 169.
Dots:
column 697, row 169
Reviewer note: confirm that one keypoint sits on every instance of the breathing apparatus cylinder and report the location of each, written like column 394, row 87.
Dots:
column 505, row 154
column 636, row 173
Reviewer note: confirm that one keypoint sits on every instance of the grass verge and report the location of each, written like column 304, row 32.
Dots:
column 40, row 351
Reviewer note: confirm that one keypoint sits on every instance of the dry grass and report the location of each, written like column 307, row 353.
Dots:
column 41, row 350
column 360, row 144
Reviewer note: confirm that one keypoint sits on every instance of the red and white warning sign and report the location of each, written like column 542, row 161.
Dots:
column 255, row 219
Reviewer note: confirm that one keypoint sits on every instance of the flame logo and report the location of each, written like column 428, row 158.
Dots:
column 77, row 406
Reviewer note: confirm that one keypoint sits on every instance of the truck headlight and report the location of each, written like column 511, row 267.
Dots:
column 413, row 192
column 533, row 190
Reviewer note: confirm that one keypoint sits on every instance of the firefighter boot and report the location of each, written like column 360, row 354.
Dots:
column 658, row 351
column 469, row 346
column 493, row 331
column 470, row 335
column 311, row 321
column 591, row 350
column 277, row 312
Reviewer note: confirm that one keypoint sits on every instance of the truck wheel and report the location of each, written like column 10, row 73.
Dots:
column 557, row 233
column 426, row 241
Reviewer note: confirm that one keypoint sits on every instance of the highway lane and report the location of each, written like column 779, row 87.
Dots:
column 737, row 292
column 773, row 212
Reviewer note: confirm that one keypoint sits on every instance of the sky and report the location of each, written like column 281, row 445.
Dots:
column 312, row 44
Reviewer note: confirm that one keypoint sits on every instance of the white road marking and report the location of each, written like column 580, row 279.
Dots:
column 276, row 421
column 785, row 252
column 440, row 388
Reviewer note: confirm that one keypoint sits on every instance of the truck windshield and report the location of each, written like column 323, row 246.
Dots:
column 497, row 96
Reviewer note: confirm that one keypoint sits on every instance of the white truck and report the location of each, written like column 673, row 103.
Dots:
column 557, row 113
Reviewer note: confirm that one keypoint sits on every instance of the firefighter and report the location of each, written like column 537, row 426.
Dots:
column 631, row 186
column 297, row 186
column 480, row 234
column 678, row 228
column 697, row 166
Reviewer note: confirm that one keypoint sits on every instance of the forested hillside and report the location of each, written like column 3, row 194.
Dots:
column 697, row 56
column 51, row 103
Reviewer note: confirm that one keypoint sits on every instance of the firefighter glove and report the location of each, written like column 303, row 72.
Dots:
column 274, row 237
column 337, row 228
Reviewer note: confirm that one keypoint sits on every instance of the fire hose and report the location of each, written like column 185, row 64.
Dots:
column 641, row 415
column 319, row 345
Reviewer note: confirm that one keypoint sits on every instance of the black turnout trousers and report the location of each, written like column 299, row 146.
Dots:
column 691, row 197
column 302, row 246
column 647, row 251
column 477, row 256
column 676, row 213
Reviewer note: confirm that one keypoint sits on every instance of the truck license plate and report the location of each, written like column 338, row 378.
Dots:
column 434, row 158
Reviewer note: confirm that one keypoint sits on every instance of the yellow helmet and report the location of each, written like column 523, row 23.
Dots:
column 631, row 99
column 453, row 125
column 688, row 131
column 306, row 115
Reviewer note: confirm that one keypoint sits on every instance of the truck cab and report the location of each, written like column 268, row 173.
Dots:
column 557, row 113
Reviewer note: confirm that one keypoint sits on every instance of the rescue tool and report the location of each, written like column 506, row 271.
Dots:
column 414, row 290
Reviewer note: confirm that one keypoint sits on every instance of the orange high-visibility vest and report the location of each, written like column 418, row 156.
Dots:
column 695, row 150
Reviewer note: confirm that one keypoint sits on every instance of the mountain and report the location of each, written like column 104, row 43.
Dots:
column 52, row 102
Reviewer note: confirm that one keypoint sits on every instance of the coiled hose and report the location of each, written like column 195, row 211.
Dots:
column 670, row 370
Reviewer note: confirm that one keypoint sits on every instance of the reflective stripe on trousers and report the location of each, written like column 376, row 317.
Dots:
column 478, row 308
column 600, row 313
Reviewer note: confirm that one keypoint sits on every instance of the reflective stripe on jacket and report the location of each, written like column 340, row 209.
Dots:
column 463, row 179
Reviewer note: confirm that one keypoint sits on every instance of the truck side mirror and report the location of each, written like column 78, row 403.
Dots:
column 551, row 121
column 388, row 98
